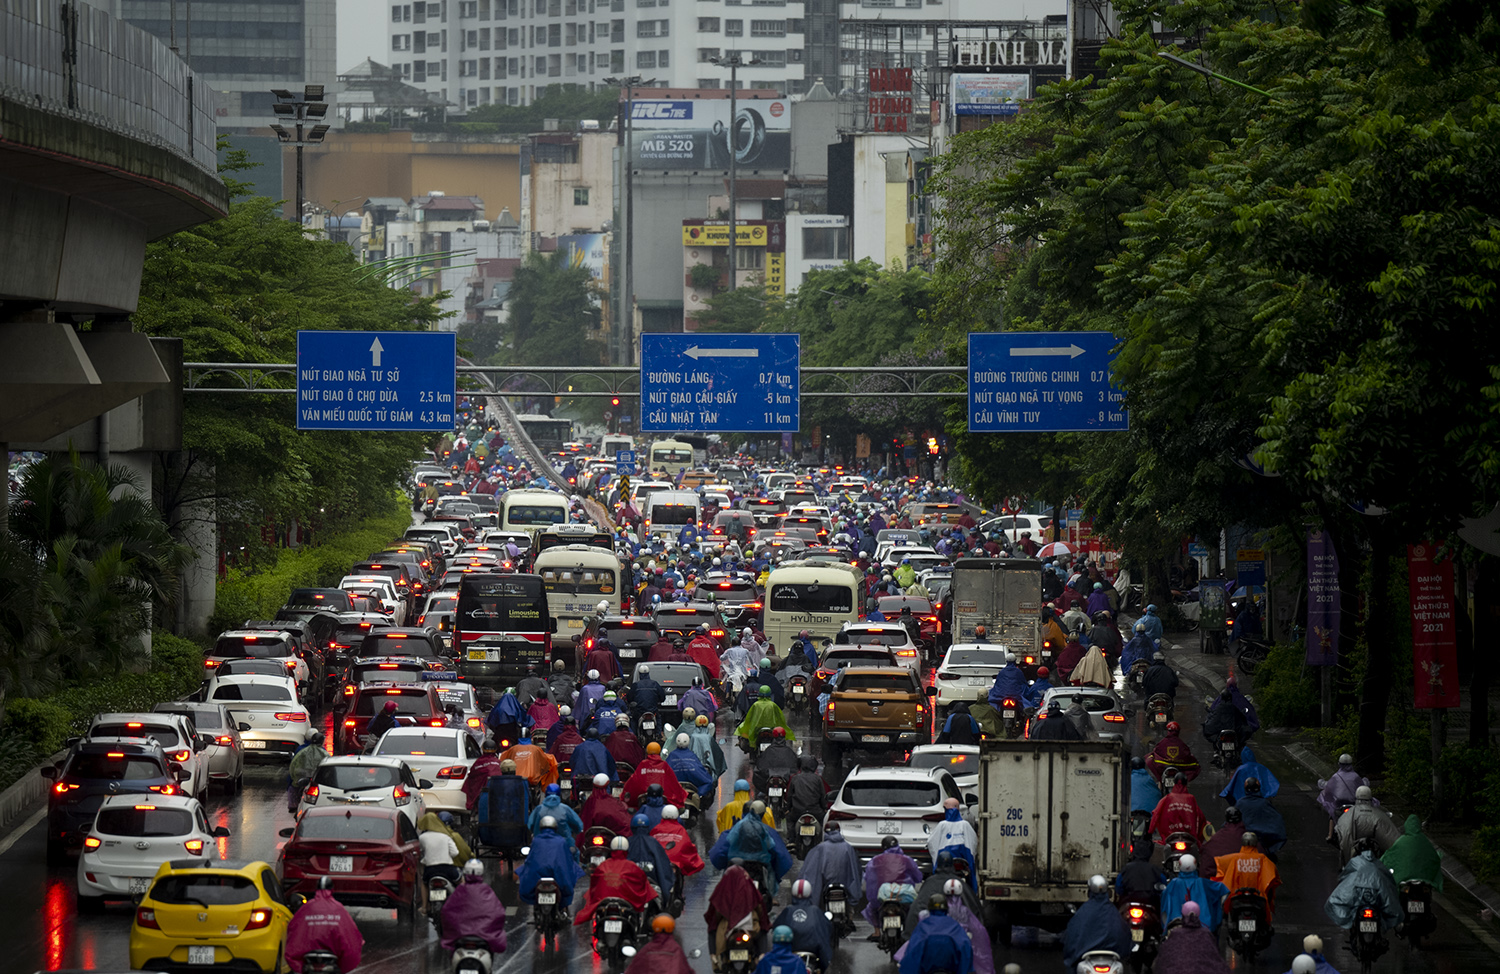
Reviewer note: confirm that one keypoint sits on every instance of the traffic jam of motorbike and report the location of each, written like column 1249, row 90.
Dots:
column 718, row 715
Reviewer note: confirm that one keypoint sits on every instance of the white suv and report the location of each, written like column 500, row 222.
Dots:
column 361, row 780
column 873, row 803
column 132, row 836
column 178, row 738
column 1011, row 525
column 382, row 588
column 440, row 757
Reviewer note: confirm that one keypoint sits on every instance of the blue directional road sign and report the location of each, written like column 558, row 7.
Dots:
column 720, row 383
column 376, row 380
column 1043, row 382
column 624, row 461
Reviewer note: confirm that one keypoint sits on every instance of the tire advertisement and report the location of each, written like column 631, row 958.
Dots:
column 697, row 134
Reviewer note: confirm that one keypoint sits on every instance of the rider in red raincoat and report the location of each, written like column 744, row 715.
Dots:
column 1178, row 811
column 654, row 771
column 618, row 878
column 323, row 924
column 679, row 844
column 1171, row 754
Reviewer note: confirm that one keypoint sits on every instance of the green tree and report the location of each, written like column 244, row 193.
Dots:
column 554, row 313
column 566, row 103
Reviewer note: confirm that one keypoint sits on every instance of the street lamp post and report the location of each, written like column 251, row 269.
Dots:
column 626, row 315
column 733, row 62
column 297, row 109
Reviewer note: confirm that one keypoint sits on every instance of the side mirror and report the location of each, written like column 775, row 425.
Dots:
column 424, row 784
column 296, row 901
column 221, row 833
column 179, row 772
column 286, row 833
column 971, row 799
column 50, row 773
column 931, row 691
column 204, row 740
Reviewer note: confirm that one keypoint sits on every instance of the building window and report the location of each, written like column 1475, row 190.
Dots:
column 570, row 35
column 794, row 55
column 616, row 62
column 400, row 42
column 645, row 59
column 515, row 36
column 767, row 28
column 468, row 10
column 617, row 31
column 419, row 72
column 419, row 42
column 471, row 97
column 435, row 12
column 484, row 38
column 708, row 25
column 708, row 82
column 513, row 66
column 570, row 8
column 774, row 59
column 706, row 55
column 396, row 13
column 484, row 14
column 554, row 35
column 825, row 243
column 749, row 258
column 580, row 196
column 734, row 28
column 540, row 67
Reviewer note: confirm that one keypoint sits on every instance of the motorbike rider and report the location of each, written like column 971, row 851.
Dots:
column 322, row 923
column 1225, row 716
column 735, row 665
column 1364, row 820
column 602, row 658
column 812, row 933
column 763, row 713
column 890, row 865
column 530, row 687
column 1178, row 811
column 645, row 695
column 797, row 663
column 751, row 840
column 735, row 904
column 380, row 723
column 780, row 959
column 1249, row 869
column 1145, row 793
column 1312, row 947
column 1242, row 702
column 1172, row 755
column 1159, row 678
column 1037, row 691
column 807, row 792
column 662, row 954
column 674, row 838
column 648, row 853
column 473, row 910
column 563, row 737
column 1226, row 840
column 1010, row 682
column 1413, row 856
column 304, row 764
column 1189, row 948
column 589, row 697
column 699, row 700
column 551, row 856
column 1095, row 925
column 1140, row 649
column 1364, row 882
column 1152, row 622
column 604, row 810
column 439, row 851
column 609, row 711
column 1250, row 768
column 1260, row 817
column 706, row 744
column 567, row 823
column 532, row 762
column 834, row 861
column 1188, row 885
column 705, row 651
column 1093, row 670
column 960, row 727
column 561, row 685
column 617, row 878
column 944, row 870
column 1054, row 725
column 1339, row 790
column 653, row 770
column 592, row 758
column 778, row 760
column 506, row 718
column 732, row 810
column 689, row 769
column 1077, row 714
column 954, row 834
column 938, row 943
column 761, row 676
column 1140, row 877
column 623, row 746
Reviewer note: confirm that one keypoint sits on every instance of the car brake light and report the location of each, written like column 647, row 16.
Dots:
column 906, row 652
column 402, row 796
column 1136, row 913
column 134, row 724
column 180, row 756
column 348, row 689
column 392, row 692
column 386, row 666
column 716, row 632
column 311, row 794
column 146, row 918
column 946, row 676
column 436, row 723
column 929, row 619
column 291, row 664
column 210, row 664
column 258, row 919
column 164, row 789
column 226, row 741
column 195, row 846
column 829, row 715
column 294, row 717
column 349, row 722
column 454, row 771
column 115, row 754
column 62, row 787
column 93, row 842
column 1115, row 717
column 1103, row 968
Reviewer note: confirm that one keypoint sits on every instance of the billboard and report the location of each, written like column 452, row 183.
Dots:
column 584, row 250
column 990, row 94
column 677, row 134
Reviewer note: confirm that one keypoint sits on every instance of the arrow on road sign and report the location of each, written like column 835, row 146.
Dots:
column 375, row 349
column 1072, row 351
column 698, row 353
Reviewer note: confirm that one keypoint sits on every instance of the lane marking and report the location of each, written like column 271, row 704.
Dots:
column 22, row 829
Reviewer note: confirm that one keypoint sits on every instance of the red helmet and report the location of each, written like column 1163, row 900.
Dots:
column 1173, row 727
column 778, row 733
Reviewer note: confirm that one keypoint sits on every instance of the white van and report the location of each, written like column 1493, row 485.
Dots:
column 532, row 510
column 613, row 443
column 673, row 456
column 667, row 511
column 803, row 595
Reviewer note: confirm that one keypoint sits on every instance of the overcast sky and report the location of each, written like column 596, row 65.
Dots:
column 362, row 32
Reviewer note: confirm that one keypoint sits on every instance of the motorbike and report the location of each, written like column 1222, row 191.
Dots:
column 1159, row 710
column 1140, row 826
column 614, row 929
column 1178, row 844
column 438, row 888
column 1416, row 908
column 740, row 953
column 679, row 893
column 565, row 781
column 757, row 873
column 596, row 842
column 471, row 955
column 1048, row 654
column 1135, row 679
column 1249, row 931
column 762, row 741
column 320, row 962
column 1101, row 962
column 650, row 726
column 1143, row 918
column 1252, row 652
column 690, row 810
column 547, row 914
column 1013, row 716
column 810, row 960
column 780, row 802
column 1366, row 942
column 836, row 906
column 1226, row 751
column 805, row 834
column 796, row 693
column 892, row 917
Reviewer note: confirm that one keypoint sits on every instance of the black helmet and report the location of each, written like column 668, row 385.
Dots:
column 808, row 762
column 1137, row 764
column 1252, row 786
column 325, row 882
column 938, row 903
column 1232, row 815
column 943, row 863
column 890, row 842
column 654, row 790
column 592, row 733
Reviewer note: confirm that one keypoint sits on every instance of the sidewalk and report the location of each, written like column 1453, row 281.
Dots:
column 1208, row 672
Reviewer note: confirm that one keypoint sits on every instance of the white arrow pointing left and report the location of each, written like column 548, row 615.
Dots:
column 696, row 353
column 375, row 349
column 1072, row 351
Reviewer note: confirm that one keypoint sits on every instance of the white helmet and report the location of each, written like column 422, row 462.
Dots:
column 548, row 822
column 669, row 811
column 619, row 844
column 564, row 711
column 802, row 890
column 953, row 887
column 683, row 741
column 473, row 868
column 601, row 780
column 643, row 670
column 602, row 607
column 593, row 674
column 1303, row 964
column 1187, row 864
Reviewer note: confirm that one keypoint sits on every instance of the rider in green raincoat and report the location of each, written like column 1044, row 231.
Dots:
column 763, row 713
column 1413, row 856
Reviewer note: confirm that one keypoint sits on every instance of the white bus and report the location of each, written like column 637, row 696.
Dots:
column 577, row 577
column 667, row 511
column 532, row 510
column 802, row 595
column 673, row 456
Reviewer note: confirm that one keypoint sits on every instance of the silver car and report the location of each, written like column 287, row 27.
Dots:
column 1106, row 713
column 226, row 755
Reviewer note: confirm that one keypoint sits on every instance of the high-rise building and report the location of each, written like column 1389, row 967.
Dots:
column 244, row 49
column 483, row 52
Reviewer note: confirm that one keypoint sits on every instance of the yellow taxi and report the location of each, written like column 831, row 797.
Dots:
column 227, row 914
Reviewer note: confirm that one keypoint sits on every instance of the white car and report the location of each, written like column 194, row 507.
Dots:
column 381, row 587
column 259, row 644
column 440, row 757
column 132, row 836
column 959, row 760
column 967, row 672
column 890, row 538
column 179, row 740
column 921, row 557
column 1107, row 714
column 1011, row 525
column 873, row 803
column 359, row 779
column 891, row 635
column 278, row 722
column 226, row 755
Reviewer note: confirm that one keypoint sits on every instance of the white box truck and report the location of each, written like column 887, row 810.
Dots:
column 1052, row 814
column 1005, row 594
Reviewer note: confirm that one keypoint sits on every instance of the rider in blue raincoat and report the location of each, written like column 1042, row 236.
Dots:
column 1096, row 925
column 1145, row 793
column 1188, row 885
column 688, row 767
column 749, row 839
column 507, row 710
column 645, row 849
column 939, row 943
column 1009, row 682
column 1365, row 881
column 551, row 856
column 1250, row 768
column 591, row 758
column 568, row 823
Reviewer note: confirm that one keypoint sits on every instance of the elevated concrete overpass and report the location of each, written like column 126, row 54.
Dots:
column 105, row 144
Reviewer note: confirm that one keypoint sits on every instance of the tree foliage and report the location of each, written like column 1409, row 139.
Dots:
column 554, row 313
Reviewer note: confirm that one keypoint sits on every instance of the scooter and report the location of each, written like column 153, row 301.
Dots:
column 892, row 917
column 1101, row 962
column 805, row 834
column 1140, row 826
column 1135, row 679
column 614, row 930
column 320, row 962
column 596, row 842
column 1159, row 710
column 1179, row 844
column 1013, row 717
column 796, row 693
column 780, row 802
column 810, row 961
column 1418, row 920
column 649, row 725
column 471, row 955
column 1366, row 942
column 836, row 906
column 1143, row 918
column 1249, row 931
column 740, row 954
column 565, row 781
column 547, row 914
column 1226, row 751
column 690, row 810
column 438, row 888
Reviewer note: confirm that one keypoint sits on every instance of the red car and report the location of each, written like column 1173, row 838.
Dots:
column 890, row 606
column 417, row 704
column 372, row 854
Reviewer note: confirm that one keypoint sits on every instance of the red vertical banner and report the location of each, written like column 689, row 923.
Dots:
column 1434, row 648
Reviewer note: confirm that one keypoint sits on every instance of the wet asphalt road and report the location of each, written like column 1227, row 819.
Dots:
column 44, row 931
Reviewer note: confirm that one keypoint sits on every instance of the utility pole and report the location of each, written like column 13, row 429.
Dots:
column 626, row 316
column 297, row 110
column 733, row 62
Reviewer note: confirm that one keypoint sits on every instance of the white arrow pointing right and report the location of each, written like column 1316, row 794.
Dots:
column 1072, row 351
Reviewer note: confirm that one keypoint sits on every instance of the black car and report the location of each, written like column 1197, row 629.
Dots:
column 94, row 770
column 425, row 644
column 631, row 637
column 325, row 599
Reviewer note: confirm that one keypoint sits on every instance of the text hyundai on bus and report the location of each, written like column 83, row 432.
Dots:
column 502, row 625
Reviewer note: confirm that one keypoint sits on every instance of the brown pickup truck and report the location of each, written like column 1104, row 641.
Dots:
column 874, row 708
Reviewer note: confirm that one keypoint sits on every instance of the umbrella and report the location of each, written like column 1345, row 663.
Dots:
column 1245, row 590
column 1055, row 548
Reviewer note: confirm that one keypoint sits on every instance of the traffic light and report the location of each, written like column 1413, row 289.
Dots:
column 932, row 445
column 614, row 401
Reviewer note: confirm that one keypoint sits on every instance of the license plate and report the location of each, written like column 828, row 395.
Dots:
column 200, row 955
column 743, row 955
column 1009, row 714
column 341, row 864
column 595, row 860
column 671, row 699
column 1139, row 936
column 808, row 830
column 627, row 653
column 648, row 725
column 254, row 745
column 835, row 906
column 1369, row 926
column 575, row 623
column 876, row 738
column 776, row 792
column 1416, row 906
column 765, row 745
column 139, row 884
column 1161, row 718
column 613, row 926
column 1247, row 926
column 890, row 923
column 484, row 656
column 887, row 828
column 437, row 895
column 977, row 681
column 547, row 899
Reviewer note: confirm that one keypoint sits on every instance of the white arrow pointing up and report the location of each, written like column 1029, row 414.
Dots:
column 375, row 349
column 697, row 353
column 1072, row 351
